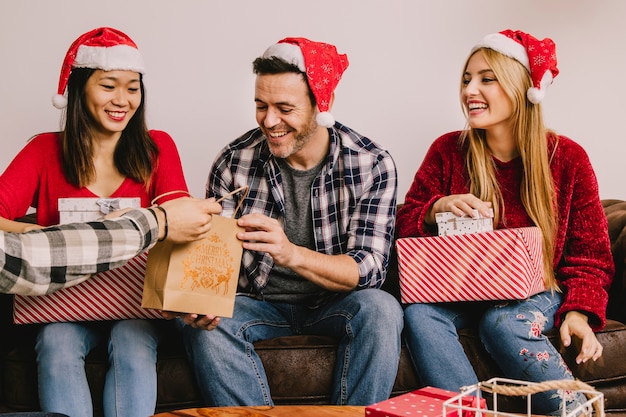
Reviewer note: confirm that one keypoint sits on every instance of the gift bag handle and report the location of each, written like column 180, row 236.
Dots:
column 160, row 196
column 245, row 190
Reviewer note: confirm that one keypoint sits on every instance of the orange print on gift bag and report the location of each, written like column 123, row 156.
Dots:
column 197, row 277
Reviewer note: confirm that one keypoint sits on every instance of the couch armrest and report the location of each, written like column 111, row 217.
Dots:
column 615, row 211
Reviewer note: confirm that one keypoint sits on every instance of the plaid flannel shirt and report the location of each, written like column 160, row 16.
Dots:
column 45, row 260
column 353, row 201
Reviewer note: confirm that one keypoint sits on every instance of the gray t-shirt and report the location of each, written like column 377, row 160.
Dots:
column 284, row 285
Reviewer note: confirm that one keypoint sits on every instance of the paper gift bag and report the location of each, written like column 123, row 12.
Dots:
column 499, row 265
column 198, row 277
column 108, row 295
column 424, row 402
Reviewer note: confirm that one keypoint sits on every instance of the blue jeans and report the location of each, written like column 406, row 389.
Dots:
column 512, row 332
column 130, row 385
column 367, row 325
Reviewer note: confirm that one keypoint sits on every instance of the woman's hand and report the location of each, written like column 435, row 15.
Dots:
column 459, row 204
column 576, row 324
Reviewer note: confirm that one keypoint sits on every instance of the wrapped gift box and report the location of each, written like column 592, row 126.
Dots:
column 78, row 210
column 425, row 402
column 449, row 224
column 499, row 265
column 110, row 295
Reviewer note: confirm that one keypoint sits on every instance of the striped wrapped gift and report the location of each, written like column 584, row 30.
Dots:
column 109, row 295
column 499, row 265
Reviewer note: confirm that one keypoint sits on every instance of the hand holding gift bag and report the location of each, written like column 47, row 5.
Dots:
column 197, row 277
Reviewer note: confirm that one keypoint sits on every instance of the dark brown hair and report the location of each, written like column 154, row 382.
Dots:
column 276, row 65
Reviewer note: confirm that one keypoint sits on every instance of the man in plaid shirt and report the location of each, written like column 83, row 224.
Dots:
column 45, row 260
column 319, row 222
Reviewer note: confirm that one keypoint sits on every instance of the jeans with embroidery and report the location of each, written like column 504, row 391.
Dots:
column 130, row 385
column 367, row 325
column 512, row 332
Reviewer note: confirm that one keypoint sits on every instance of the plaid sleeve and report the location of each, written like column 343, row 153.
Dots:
column 373, row 223
column 43, row 261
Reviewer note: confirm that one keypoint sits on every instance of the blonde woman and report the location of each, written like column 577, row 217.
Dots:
column 530, row 176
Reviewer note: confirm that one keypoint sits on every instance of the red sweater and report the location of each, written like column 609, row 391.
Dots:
column 583, row 262
column 35, row 178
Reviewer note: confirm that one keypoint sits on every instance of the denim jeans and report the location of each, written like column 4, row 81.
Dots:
column 512, row 332
column 367, row 325
column 130, row 385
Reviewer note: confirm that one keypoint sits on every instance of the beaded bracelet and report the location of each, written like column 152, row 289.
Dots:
column 166, row 225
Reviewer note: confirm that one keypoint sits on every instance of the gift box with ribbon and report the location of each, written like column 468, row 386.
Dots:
column 108, row 295
column 425, row 402
column 78, row 210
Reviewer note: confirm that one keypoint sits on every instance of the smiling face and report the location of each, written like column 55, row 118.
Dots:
column 486, row 104
column 286, row 116
column 112, row 98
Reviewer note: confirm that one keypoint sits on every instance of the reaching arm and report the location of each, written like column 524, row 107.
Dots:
column 46, row 260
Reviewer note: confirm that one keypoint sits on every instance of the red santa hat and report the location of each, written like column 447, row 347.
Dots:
column 538, row 56
column 103, row 48
column 322, row 65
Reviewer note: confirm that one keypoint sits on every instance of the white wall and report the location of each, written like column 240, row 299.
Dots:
column 400, row 89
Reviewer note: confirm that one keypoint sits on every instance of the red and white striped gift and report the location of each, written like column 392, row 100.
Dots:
column 110, row 295
column 499, row 265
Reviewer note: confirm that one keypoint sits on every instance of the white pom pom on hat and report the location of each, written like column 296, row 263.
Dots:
column 537, row 56
column 102, row 48
column 321, row 63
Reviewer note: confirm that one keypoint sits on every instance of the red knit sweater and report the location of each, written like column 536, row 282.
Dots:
column 583, row 262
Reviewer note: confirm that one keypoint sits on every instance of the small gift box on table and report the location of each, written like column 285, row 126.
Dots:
column 78, row 210
column 498, row 265
column 425, row 402
column 449, row 224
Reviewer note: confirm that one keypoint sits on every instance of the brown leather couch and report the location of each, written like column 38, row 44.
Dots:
column 299, row 368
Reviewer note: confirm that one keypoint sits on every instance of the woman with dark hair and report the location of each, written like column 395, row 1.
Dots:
column 507, row 161
column 104, row 150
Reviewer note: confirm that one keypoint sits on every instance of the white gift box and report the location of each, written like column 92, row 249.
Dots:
column 78, row 210
column 449, row 224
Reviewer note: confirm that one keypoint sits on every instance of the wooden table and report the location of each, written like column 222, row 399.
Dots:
column 269, row 411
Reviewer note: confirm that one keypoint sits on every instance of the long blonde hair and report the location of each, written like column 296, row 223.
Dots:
column 531, row 139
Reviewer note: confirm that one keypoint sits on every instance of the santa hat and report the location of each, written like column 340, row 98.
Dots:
column 322, row 65
column 103, row 48
column 538, row 56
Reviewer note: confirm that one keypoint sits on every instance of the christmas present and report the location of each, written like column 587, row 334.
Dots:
column 425, row 402
column 449, row 224
column 78, row 210
column 109, row 295
column 498, row 265
column 197, row 277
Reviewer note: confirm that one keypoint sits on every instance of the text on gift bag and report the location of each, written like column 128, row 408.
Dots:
column 197, row 277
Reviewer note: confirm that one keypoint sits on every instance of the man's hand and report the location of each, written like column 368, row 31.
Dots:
column 576, row 324
column 194, row 320
column 188, row 218
column 265, row 234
